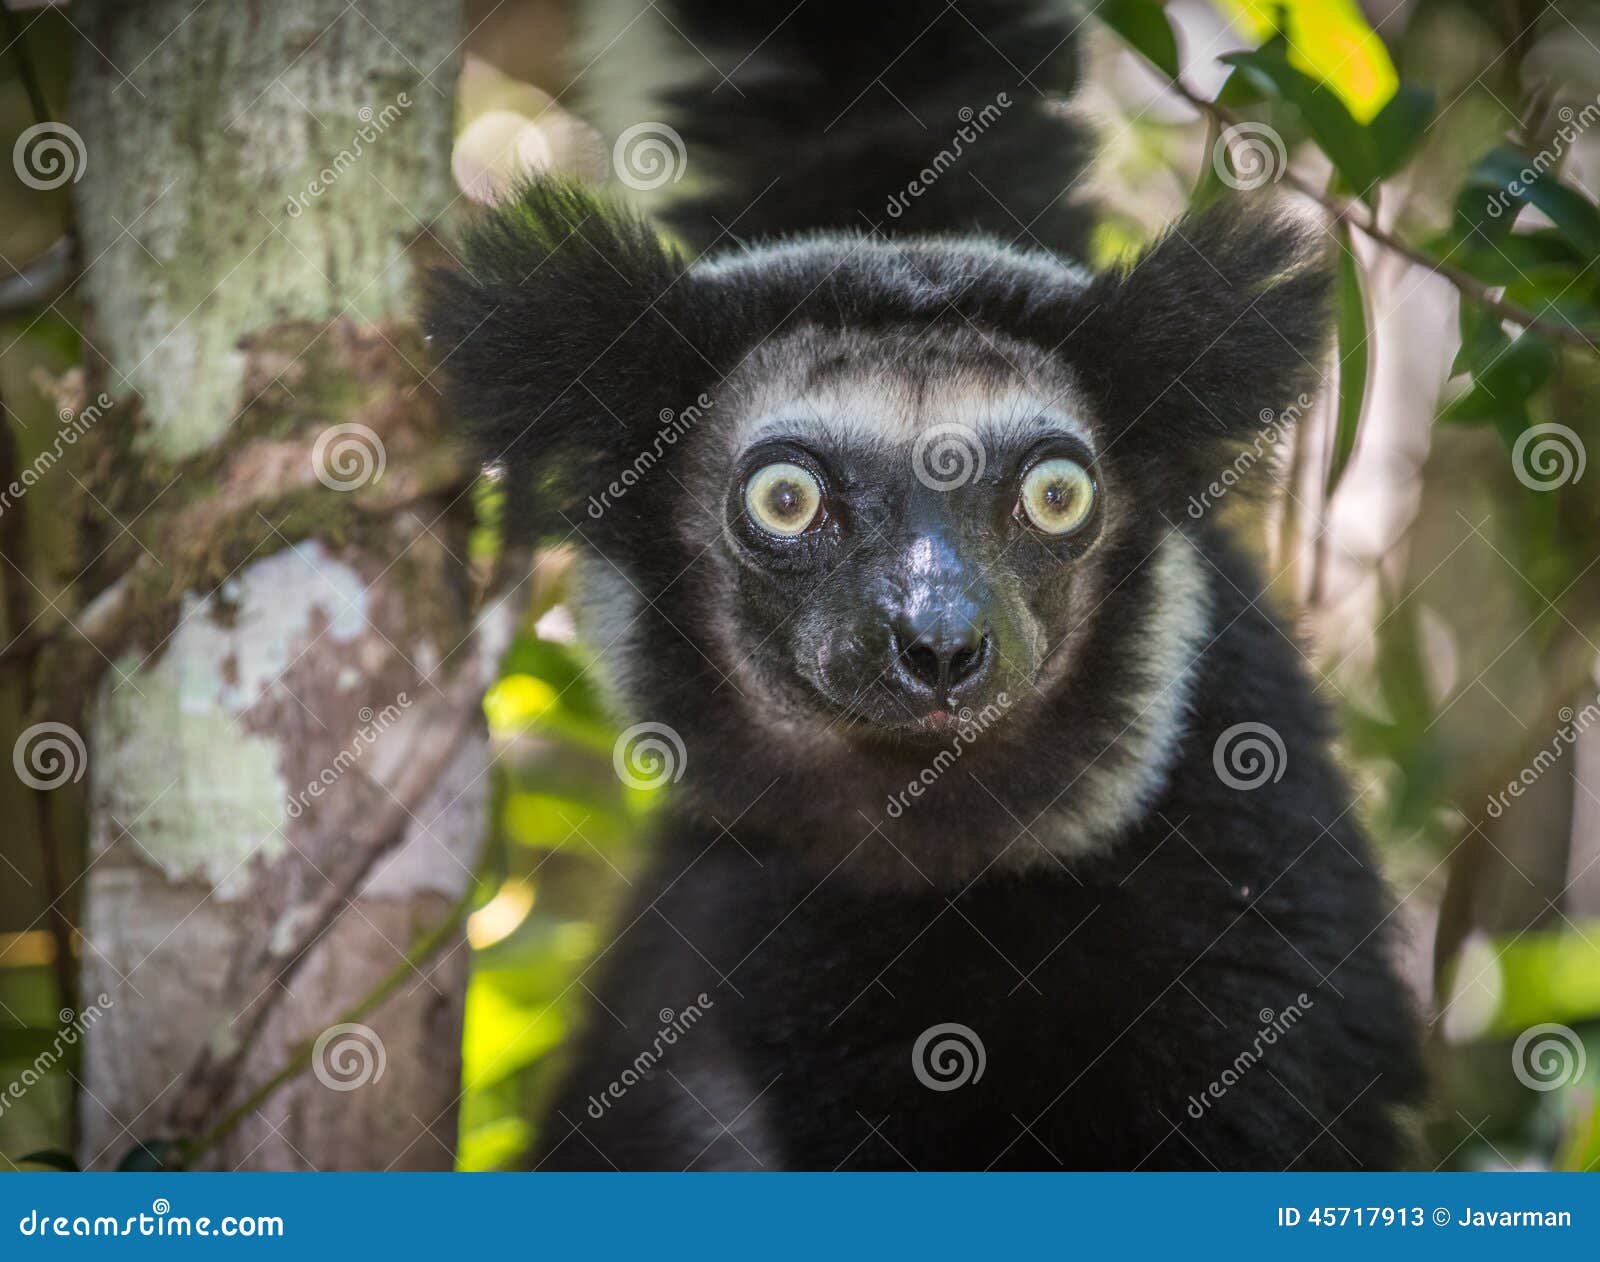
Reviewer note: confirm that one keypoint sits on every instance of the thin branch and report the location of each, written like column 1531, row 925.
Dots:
column 41, row 281
column 420, row 952
column 1350, row 211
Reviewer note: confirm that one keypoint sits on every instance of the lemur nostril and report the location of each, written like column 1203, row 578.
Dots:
column 940, row 657
column 924, row 663
column 966, row 661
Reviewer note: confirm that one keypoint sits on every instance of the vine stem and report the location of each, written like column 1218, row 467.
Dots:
column 1347, row 210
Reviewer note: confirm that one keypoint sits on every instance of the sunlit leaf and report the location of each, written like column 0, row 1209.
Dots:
column 515, row 702
column 1548, row 976
column 559, row 666
column 549, row 821
column 501, row 1037
column 1349, row 146
column 1331, row 42
column 1580, row 1151
column 494, row 1146
column 1115, row 240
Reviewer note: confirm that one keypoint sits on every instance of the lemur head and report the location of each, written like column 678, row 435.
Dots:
column 845, row 504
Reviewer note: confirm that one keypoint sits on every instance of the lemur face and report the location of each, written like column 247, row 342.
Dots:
column 936, row 485
column 908, row 522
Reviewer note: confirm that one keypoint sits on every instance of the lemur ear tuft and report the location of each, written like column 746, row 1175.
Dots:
column 565, row 332
column 1219, row 330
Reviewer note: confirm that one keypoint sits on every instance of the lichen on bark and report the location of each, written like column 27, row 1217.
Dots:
column 272, row 611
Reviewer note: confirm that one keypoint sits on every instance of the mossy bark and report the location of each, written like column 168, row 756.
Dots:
column 256, row 181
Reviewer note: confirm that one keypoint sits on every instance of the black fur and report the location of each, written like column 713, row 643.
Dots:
column 831, row 110
column 1110, row 975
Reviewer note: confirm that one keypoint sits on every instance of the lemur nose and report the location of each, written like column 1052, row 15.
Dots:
column 937, row 652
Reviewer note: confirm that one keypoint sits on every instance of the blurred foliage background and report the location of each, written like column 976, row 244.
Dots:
column 1439, row 552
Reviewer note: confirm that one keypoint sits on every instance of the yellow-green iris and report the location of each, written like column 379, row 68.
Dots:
column 1058, row 496
column 783, row 498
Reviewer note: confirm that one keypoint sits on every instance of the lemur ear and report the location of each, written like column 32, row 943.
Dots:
column 1217, row 332
column 563, row 336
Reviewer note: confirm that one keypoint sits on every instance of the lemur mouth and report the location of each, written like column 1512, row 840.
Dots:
column 935, row 727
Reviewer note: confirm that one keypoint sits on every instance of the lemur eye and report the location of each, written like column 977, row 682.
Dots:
column 783, row 499
column 1057, row 496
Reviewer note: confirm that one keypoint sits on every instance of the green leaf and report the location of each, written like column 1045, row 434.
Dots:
column 1511, row 258
column 1331, row 42
column 1498, row 180
column 1503, row 384
column 53, row 1158
column 1400, row 126
column 1350, row 146
column 1353, row 359
column 1144, row 25
column 1482, row 338
column 1546, row 976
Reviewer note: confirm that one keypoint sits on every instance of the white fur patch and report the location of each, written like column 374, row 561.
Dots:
column 606, row 609
column 1113, row 792
column 857, row 389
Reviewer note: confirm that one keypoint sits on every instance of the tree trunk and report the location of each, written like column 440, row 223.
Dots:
column 288, row 781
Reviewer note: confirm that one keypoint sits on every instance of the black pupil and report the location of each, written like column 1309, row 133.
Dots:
column 786, row 500
column 1058, row 495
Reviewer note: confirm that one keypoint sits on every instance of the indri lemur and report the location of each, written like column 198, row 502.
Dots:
column 955, row 671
